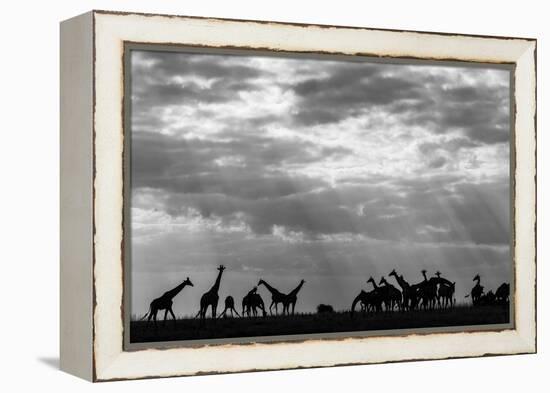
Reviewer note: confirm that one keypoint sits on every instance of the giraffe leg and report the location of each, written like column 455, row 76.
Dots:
column 173, row 316
column 155, row 318
column 235, row 312
column 200, row 315
column 165, row 316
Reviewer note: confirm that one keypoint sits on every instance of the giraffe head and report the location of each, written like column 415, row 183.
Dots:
column 476, row 277
column 393, row 273
column 370, row 280
column 188, row 282
column 438, row 274
column 221, row 268
column 382, row 281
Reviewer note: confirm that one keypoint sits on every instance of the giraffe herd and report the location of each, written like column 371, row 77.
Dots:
column 251, row 303
column 431, row 293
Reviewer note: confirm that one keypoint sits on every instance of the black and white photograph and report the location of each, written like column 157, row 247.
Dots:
column 281, row 195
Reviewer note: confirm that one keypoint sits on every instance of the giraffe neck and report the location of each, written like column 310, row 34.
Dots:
column 399, row 280
column 173, row 292
column 216, row 285
column 297, row 289
column 270, row 288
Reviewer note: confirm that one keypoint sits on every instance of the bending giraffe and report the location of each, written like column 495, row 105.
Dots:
column 210, row 298
column 165, row 303
column 371, row 300
column 251, row 302
column 229, row 306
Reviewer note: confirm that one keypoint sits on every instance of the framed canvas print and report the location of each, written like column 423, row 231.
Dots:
column 245, row 195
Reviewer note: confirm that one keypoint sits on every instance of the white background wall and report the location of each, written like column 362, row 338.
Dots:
column 29, row 194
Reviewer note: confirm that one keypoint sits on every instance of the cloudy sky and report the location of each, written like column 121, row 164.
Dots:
column 327, row 170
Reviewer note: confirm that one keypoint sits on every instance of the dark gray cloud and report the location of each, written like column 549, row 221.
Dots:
column 419, row 98
column 244, row 166
column 161, row 79
column 480, row 114
column 166, row 65
column 330, row 99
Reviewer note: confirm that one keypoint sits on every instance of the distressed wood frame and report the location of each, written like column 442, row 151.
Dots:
column 92, row 189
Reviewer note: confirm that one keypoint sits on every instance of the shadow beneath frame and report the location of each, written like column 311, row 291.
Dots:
column 50, row 361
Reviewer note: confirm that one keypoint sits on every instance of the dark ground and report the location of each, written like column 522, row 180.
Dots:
column 190, row 329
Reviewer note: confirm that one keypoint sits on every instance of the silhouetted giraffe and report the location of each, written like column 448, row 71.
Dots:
column 446, row 293
column 165, row 303
column 229, row 305
column 445, row 290
column 376, row 294
column 291, row 298
column 276, row 296
column 476, row 291
column 502, row 294
column 210, row 298
column 392, row 294
column 371, row 300
column 428, row 291
column 251, row 302
column 441, row 280
column 405, row 289
column 246, row 301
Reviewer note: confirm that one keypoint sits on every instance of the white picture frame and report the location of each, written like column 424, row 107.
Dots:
column 92, row 195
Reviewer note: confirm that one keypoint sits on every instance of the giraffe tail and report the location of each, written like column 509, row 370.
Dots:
column 146, row 314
